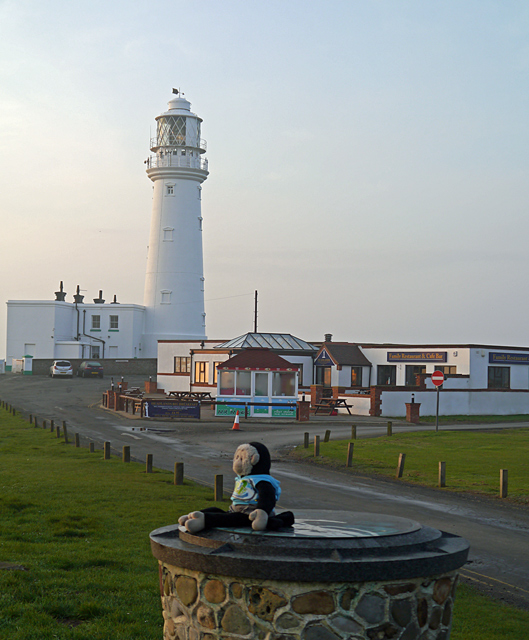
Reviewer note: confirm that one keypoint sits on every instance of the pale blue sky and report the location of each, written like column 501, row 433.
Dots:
column 368, row 160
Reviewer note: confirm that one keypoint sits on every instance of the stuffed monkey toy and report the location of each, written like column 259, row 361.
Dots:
column 253, row 500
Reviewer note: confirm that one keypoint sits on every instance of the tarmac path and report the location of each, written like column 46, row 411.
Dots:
column 498, row 532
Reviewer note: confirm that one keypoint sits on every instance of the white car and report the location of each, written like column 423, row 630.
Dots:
column 61, row 368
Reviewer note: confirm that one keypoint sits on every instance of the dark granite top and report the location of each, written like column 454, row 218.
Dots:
column 321, row 547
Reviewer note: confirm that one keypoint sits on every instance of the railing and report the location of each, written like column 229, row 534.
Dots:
column 178, row 142
column 170, row 160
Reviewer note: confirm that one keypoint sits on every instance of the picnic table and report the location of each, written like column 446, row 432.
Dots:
column 198, row 396
column 329, row 405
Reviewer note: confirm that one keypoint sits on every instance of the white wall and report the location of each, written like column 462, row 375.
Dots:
column 455, row 356
column 36, row 322
column 457, row 402
column 48, row 328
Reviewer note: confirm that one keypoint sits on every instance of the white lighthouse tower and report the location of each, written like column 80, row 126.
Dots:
column 174, row 281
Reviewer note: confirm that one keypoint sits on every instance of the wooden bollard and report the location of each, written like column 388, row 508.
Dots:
column 353, row 432
column 327, row 436
column 52, row 426
column 91, row 447
column 390, row 429
column 77, row 440
column 350, row 449
column 106, row 451
column 30, row 419
column 36, row 422
column 400, row 466
column 306, row 440
column 504, row 483
column 442, row 474
column 65, row 431
column 179, row 473
column 219, row 489
column 148, row 463
column 316, row 446
column 44, row 424
column 58, row 431
column 126, row 453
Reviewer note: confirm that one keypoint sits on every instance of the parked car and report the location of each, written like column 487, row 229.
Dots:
column 61, row 368
column 90, row 368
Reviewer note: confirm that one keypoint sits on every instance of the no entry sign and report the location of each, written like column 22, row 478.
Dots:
column 438, row 378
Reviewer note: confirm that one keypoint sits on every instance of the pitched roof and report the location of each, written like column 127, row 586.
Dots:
column 278, row 341
column 345, row 353
column 258, row 359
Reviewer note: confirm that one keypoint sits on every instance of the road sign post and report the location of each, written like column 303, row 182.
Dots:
column 437, row 378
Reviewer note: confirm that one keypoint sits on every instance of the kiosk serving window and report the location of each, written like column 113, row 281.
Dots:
column 244, row 383
column 227, row 383
column 283, row 384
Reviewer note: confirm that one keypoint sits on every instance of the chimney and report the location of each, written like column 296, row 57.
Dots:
column 328, row 337
column 100, row 299
column 78, row 298
column 60, row 295
column 115, row 301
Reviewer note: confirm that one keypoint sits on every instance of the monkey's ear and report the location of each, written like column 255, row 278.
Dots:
column 254, row 459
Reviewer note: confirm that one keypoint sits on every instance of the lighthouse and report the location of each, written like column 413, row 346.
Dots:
column 174, row 281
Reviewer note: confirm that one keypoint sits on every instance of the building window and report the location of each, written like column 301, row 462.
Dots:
column 215, row 372
column 412, row 371
column 169, row 190
column 114, row 322
column 387, row 375
column 499, row 378
column 182, row 365
column 168, row 234
column 448, row 370
column 356, row 376
column 94, row 352
column 96, row 322
column 201, row 371
column 165, row 297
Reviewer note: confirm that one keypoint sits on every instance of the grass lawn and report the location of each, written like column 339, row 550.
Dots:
column 475, row 419
column 473, row 459
column 80, row 526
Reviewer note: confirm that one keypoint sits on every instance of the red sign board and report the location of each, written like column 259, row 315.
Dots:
column 438, row 377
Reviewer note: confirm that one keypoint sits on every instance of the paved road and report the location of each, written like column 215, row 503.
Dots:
column 498, row 532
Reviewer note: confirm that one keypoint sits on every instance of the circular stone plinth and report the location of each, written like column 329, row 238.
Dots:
column 323, row 546
column 328, row 524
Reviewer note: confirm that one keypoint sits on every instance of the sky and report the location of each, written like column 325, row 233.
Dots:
column 368, row 159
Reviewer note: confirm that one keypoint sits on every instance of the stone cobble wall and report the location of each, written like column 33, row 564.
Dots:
column 197, row 606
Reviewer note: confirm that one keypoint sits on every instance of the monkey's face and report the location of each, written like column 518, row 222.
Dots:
column 244, row 460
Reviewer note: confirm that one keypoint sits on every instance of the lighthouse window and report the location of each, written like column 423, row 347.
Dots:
column 171, row 131
column 200, row 223
column 170, row 189
column 182, row 152
column 165, row 297
column 168, row 234
column 199, row 193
